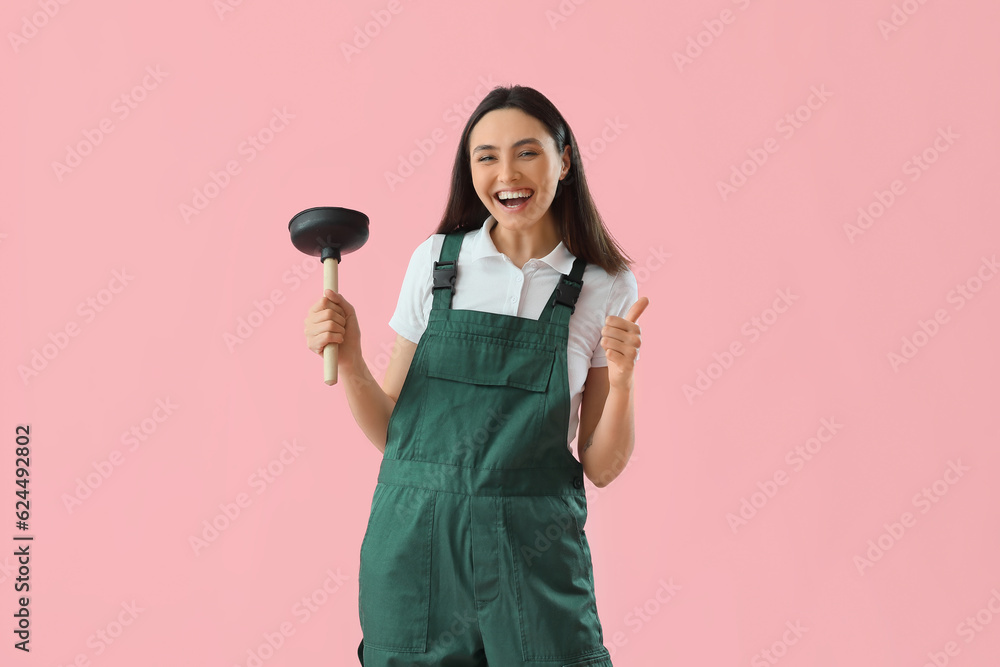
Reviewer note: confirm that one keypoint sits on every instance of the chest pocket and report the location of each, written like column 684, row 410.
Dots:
column 490, row 363
column 485, row 401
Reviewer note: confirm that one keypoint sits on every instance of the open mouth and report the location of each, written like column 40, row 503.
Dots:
column 514, row 199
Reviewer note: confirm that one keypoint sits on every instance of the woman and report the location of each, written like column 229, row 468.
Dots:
column 516, row 314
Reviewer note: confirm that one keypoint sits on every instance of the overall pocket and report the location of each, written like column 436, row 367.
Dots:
column 395, row 575
column 557, row 608
column 601, row 660
column 483, row 394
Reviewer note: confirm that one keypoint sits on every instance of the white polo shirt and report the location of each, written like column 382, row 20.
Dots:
column 488, row 281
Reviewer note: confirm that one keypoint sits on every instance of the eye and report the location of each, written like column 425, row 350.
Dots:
column 484, row 157
column 529, row 153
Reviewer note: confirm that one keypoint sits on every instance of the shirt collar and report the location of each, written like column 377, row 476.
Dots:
column 559, row 259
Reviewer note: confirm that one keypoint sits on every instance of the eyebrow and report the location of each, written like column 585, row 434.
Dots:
column 522, row 142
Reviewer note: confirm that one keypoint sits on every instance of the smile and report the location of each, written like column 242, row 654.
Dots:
column 514, row 199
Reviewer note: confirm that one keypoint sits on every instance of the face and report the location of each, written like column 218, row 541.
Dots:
column 515, row 160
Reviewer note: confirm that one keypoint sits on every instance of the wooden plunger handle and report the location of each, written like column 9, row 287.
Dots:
column 330, row 351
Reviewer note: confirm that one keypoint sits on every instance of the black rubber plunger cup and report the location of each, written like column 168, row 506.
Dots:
column 329, row 232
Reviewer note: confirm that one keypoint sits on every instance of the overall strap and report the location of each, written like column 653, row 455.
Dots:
column 445, row 271
column 562, row 303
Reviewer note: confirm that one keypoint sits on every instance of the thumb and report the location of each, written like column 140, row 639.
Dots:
column 636, row 310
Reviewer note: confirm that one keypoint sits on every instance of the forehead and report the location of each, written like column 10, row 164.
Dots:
column 502, row 127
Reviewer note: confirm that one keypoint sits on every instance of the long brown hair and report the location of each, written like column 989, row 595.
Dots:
column 578, row 222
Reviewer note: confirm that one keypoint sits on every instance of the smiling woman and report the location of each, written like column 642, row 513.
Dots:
column 517, row 335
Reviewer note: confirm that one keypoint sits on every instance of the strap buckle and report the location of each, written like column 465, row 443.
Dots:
column 444, row 275
column 567, row 292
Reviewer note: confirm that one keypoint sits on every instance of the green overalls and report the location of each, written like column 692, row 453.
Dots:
column 475, row 552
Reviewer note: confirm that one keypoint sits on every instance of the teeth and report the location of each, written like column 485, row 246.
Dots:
column 514, row 194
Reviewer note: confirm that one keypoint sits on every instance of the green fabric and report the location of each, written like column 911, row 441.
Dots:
column 475, row 548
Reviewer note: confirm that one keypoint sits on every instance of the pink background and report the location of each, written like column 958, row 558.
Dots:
column 679, row 582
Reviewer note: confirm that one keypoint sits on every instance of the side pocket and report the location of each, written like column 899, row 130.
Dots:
column 603, row 660
column 395, row 575
column 377, row 496
column 556, row 605
column 577, row 508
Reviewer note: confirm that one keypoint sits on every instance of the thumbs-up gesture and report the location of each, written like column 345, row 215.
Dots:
column 620, row 339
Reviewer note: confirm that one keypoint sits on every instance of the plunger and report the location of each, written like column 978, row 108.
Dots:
column 329, row 232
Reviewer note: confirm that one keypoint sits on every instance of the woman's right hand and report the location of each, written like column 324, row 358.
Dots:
column 332, row 320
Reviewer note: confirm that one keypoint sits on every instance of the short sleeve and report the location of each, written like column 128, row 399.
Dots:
column 623, row 293
column 414, row 304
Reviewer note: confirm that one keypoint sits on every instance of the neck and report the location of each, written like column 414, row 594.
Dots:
column 520, row 245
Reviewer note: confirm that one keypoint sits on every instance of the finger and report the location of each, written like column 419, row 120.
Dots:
column 339, row 301
column 629, row 336
column 322, row 340
column 612, row 346
column 636, row 310
column 321, row 304
column 317, row 328
column 335, row 297
column 326, row 315
column 331, row 314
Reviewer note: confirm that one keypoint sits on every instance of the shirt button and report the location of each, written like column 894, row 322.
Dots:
column 519, row 278
column 513, row 299
column 578, row 482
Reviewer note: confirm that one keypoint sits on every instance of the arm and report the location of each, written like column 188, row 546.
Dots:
column 607, row 431
column 371, row 404
column 607, row 410
column 333, row 319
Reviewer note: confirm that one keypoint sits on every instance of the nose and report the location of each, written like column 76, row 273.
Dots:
column 508, row 171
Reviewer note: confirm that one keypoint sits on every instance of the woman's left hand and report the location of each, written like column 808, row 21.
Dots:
column 620, row 339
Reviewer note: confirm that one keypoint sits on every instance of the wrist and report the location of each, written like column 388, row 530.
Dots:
column 621, row 384
column 350, row 363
